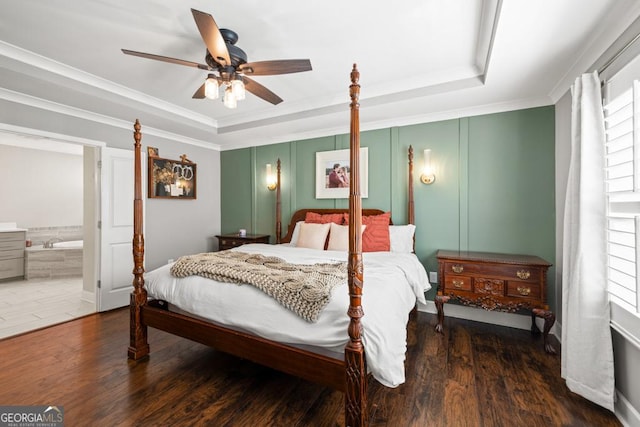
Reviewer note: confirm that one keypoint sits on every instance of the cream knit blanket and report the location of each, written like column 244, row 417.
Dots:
column 304, row 289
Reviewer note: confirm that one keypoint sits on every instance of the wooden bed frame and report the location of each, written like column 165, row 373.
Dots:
column 348, row 375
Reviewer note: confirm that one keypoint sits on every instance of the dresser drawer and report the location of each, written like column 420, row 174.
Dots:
column 12, row 235
column 9, row 245
column 457, row 283
column 11, row 268
column 524, row 289
column 12, row 254
column 505, row 271
column 484, row 286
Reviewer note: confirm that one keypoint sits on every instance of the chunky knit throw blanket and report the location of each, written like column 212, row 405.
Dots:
column 304, row 289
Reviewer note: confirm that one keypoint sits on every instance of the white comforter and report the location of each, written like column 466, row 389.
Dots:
column 392, row 283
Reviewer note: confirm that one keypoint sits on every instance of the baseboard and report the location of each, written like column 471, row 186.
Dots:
column 512, row 320
column 88, row 296
column 626, row 413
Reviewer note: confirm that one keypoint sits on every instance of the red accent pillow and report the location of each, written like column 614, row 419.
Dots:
column 317, row 218
column 375, row 237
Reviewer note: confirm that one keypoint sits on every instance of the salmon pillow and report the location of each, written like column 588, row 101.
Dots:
column 375, row 237
column 316, row 218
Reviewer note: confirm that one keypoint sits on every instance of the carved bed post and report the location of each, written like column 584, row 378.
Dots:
column 138, row 345
column 411, row 219
column 278, row 206
column 356, row 371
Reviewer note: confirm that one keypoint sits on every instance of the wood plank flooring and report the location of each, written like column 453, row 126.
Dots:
column 473, row 375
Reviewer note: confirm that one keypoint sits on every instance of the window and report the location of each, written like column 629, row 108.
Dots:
column 622, row 162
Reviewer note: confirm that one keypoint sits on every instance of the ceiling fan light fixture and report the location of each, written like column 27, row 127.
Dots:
column 211, row 88
column 229, row 99
column 237, row 87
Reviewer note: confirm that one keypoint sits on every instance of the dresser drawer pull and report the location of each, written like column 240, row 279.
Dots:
column 457, row 268
column 524, row 291
column 457, row 283
column 523, row 274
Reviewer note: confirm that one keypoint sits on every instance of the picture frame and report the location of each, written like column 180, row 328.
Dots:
column 333, row 174
column 171, row 179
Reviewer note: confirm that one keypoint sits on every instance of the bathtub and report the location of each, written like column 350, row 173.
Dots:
column 64, row 259
column 72, row 244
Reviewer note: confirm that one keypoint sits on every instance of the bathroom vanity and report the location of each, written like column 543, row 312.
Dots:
column 12, row 243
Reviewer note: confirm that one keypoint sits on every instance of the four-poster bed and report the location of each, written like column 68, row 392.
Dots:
column 346, row 372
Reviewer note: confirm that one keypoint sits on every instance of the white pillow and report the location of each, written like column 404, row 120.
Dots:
column 401, row 238
column 295, row 234
column 312, row 235
column 339, row 237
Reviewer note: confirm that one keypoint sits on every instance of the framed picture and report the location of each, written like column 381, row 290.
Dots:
column 333, row 174
column 152, row 151
column 171, row 179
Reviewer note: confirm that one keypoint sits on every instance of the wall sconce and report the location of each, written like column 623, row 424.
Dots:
column 428, row 176
column 271, row 179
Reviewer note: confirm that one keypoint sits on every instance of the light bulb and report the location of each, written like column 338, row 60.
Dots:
column 230, row 100
column 211, row 88
column 237, row 87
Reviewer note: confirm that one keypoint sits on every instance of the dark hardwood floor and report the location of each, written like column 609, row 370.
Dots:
column 473, row 375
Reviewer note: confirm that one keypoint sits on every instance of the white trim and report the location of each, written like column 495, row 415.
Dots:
column 625, row 412
column 89, row 296
column 35, row 60
column 19, row 130
column 67, row 110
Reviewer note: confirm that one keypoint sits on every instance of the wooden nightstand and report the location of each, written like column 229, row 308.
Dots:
column 228, row 241
column 493, row 281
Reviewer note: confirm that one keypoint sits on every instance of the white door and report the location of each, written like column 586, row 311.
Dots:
column 116, row 259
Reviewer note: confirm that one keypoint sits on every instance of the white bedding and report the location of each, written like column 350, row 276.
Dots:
column 392, row 283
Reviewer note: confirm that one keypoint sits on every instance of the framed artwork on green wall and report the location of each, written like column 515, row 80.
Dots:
column 333, row 172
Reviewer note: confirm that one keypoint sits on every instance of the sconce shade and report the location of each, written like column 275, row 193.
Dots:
column 271, row 179
column 428, row 176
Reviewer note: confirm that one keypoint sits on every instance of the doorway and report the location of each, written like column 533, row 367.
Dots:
column 55, row 199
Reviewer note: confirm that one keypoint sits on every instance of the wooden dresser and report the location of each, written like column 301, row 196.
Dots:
column 228, row 241
column 12, row 254
column 494, row 281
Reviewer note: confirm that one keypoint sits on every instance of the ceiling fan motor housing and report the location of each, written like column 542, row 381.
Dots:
column 237, row 55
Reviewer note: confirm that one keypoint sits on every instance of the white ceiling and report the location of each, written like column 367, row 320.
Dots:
column 420, row 60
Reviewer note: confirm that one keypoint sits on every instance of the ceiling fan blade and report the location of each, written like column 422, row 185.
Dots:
column 212, row 38
column 199, row 94
column 270, row 68
column 166, row 59
column 260, row 91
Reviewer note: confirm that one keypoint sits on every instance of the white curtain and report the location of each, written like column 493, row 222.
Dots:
column 587, row 350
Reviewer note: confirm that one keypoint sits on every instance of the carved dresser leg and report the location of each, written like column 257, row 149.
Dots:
column 440, row 300
column 549, row 320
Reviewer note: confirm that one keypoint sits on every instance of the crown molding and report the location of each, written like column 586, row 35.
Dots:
column 67, row 110
column 35, row 60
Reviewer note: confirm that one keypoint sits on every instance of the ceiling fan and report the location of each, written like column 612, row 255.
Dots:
column 228, row 65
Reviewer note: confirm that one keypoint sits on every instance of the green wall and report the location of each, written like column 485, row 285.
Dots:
column 494, row 188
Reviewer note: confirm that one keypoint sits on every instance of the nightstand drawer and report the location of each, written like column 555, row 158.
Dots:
column 457, row 283
column 506, row 271
column 488, row 286
column 524, row 289
column 229, row 241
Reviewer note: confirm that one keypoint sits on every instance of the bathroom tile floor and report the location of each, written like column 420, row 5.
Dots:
column 26, row 305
